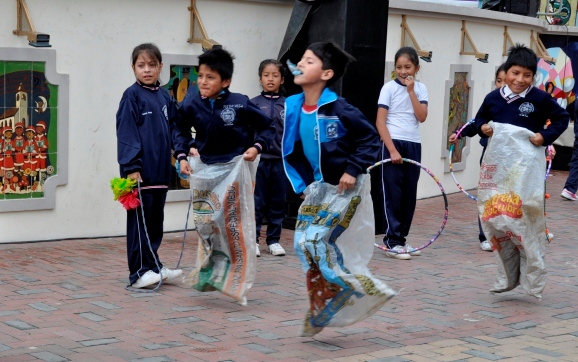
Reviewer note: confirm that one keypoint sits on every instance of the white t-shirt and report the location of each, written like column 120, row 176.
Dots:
column 401, row 121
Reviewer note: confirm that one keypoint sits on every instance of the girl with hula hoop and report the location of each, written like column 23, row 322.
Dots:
column 402, row 106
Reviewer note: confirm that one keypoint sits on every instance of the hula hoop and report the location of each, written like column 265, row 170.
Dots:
column 451, row 150
column 549, row 160
column 446, row 213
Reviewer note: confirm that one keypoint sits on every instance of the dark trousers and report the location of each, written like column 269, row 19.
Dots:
column 399, row 191
column 572, row 181
column 140, row 257
column 270, row 189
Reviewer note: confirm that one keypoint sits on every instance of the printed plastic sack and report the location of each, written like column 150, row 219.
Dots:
column 511, row 207
column 224, row 214
column 334, row 239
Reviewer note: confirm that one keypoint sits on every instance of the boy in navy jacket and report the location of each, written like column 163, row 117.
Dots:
column 326, row 138
column 226, row 124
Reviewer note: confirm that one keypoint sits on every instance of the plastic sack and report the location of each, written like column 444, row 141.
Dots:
column 334, row 238
column 224, row 214
column 511, row 207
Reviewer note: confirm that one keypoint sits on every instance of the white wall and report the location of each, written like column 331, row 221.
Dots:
column 94, row 40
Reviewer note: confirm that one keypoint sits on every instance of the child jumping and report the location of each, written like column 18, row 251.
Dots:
column 327, row 147
column 270, row 182
column 402, row 106
column 230, row 129
column 144, row 154
column 511, row 189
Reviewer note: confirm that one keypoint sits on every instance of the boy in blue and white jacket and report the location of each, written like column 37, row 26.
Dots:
column 325, row 138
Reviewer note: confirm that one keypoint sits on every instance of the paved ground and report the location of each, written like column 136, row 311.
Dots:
column 65, row 300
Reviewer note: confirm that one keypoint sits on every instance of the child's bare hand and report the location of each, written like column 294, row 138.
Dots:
column 453, row 138
column 185, row 168
column 537, row 140
column 250, row 154
column 395, row 158
column 409, row 83
column 346, row 182
column 487, row 130
column 551, row 152
column 134, row 176
column 193, row 152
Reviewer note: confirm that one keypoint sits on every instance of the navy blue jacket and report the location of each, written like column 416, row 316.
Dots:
column 273, row 105
column 348, row 142
column 143, row 133
column 223, row 129
column 530, row 112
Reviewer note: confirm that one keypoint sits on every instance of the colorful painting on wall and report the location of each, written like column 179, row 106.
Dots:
column 458, row 111
column 28, row 126
column 558, row 78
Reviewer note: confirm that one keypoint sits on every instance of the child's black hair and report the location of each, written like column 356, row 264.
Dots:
column 408, row 52
column 148, row 48
column 501, row 68
column 332, row 57
column 219, row 60
column 522, row 56
column 274, row 62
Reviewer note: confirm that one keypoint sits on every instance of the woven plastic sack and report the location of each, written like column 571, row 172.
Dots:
column 224, row 214
column 511, row 207
column 334, row 239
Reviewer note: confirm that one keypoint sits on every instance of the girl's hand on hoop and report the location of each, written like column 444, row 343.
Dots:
column 453, row 138
column 395, row 158
column 487, row 130
column 134, row 176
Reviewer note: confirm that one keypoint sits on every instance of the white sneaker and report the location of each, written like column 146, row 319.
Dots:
column 568, row 195
column 486, row 246
column 276, row 249
column 412, row 251
column 171, row 274
column 398, row 252
column 147, row 279
column 257, row 251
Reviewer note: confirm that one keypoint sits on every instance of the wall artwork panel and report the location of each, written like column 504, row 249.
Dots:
column 33, row 129
column 458, row 109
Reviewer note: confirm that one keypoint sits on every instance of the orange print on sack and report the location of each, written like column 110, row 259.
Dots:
column 508, row 204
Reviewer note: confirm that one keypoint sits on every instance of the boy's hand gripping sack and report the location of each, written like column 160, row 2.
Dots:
column 224, row 214
column 511, row 207
column 334, row 239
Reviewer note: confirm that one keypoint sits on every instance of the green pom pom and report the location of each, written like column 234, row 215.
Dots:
column 122, row 186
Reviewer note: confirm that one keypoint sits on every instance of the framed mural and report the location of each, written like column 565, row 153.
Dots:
column 458, row 108
column 179, row 74
column 34, row 129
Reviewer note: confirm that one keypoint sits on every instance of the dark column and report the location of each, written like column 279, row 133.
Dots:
column 359, row 27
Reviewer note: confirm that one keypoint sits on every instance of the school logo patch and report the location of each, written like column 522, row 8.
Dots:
column 316, row 133
column 526, row 108
column 228, row 116
column 282, row 116
column 165, row 112
column 331, row 130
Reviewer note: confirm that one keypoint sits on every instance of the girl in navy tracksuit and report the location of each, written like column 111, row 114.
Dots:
column 270, row 184
column 144, row 153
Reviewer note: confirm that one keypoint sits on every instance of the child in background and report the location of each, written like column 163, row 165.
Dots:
column 270, row 183
column 470, row 131
column 402, row 106
column 144, row 154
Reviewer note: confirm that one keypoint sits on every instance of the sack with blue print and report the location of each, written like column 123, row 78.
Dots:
column 334, row 239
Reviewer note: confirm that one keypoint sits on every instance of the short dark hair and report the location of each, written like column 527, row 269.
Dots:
column 148, row 48
column 501, row 68
column 521, row 56
column 332, row 57
column 274, row 62
column 219, row 60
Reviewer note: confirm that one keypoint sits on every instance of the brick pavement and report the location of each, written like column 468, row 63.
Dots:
column 65, row 300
